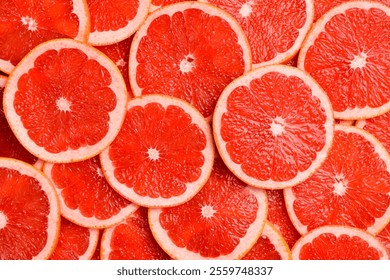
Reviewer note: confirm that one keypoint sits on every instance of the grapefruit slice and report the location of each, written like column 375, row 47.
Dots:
column 29, row 212
column 384, row 237
column 273, row 126
column 75, row 242
column 163, row 154
column 115, row 20
column 26, row 24
column 338, row 243
column 65, row 101
column 347, row 53
column 223, row 221
column 156, row 4
column 270, row 246
column 275, row 29
column 131, row 240
column 86, row 198
column 351, row 187
column 189, row 50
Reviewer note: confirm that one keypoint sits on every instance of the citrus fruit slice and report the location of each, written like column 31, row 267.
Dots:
column 384, row 237
column 156, row 4
column 275, row 29
column 86, row 198
column 338, row 243
column 273, row 126
column 347, row 52
column 379, row 127
column 65, row 101
column 29, row 212
column 351, row 187
column 189, row 50
column 270, row 246
column 163, row 154
column 223, row 221
column 131, row 240
column 75, row 242
column 26, row 24
column 115, row 20
column 278, row 216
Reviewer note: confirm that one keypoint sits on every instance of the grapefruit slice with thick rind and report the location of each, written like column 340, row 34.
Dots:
column 113, row 21
column 85, row 196
column 26, row 24
column 351, row 187
column 189, row 50
column 223, row 221
column 131, row 240
column 65, row 101
column 273, row 127
column 29, row 212
column 338, row 243
column 75, row 242
column 275, row 28
column 163, row 154
column 347, row 53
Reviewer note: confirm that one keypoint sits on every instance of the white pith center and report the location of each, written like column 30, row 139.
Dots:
column 99, row 172
column 277, row 126
column 153, row 154
column 120, row 63
column 340, row 185
column 246, row 10
column 63, row 104
column 359, row 61
column 3, row 220
column 187, row 64
column 208, row 211
column 30, row 23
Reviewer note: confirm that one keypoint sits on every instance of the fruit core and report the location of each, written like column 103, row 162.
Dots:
column 63, row 104
column 359, row 61
column 187, row 63
column 153, row 154
column 246, row 9
column 277, row 126
column 340, row 185
column 3, row 220
column 208, row 211
column 120, row 62
column 30, row 23
column 99, row 172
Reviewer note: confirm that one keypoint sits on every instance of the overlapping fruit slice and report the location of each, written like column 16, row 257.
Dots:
column 379, row 127
column 384, row 237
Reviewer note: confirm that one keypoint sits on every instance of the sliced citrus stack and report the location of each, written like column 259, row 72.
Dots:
column 351, row 187
column 26, row 24
column 384, row 237
column 223, row 221
column 163, row 154
column 273, row 126
column 379, row 127
column 115, row 20
column 347, row 52
column 189, row 50
column 131, row 240
column 156, row 4
column 275, row 29
column 270, row 246
column 338, row 243
column 75, row 242
column 86, row 198
column 29, row 212
column 65, row 101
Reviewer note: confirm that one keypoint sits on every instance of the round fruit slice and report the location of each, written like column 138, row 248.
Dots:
column 29, row 212
column 188, row 50
column 65, row 101
column 156, row 4
column 26, row 24
column 223, row 221
column 163, row 154
column 86, row 198
column 115, row 20
column 351, row 187
column 347, row 52
column 75, row 242
column 338, row 243
column 273, row 126
column 270, row 246
column 384, row 237
column 379, row 127
column 275, row 29
column 131, row 240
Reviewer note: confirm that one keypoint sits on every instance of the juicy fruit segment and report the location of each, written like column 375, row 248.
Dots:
column 275, row 34
column 65, row 101
column 82, row 188
column 338, row 243
column 163, row 154
column 379, row 127
column 351, row 187
column 131, row 240
column 26, row 24
column 29, row 212
column 189, row 50
column 75, row 242
column 273, row 127
column 222, row 221
column 355, row 79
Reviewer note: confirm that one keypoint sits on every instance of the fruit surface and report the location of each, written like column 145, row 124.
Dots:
column 379, row 127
